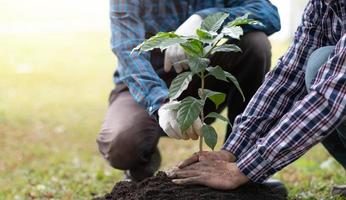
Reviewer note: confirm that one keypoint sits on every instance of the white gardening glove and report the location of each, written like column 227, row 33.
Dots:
column 175, row 55
column 168, row 122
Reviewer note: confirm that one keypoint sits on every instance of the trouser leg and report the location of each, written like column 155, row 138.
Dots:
column 335, row 143
column 129, row 136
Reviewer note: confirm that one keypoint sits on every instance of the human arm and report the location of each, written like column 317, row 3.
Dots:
column 308, row 122
column 282, row 87
column 297, row 120
column 135, row 69
column 260, row 10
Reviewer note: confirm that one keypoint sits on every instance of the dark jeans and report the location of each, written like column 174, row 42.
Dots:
column 335, row 143
column 129, row 136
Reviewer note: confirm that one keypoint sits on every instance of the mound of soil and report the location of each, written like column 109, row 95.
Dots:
column 160, row 187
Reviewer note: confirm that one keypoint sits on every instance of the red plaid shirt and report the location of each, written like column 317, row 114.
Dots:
column 283, row 120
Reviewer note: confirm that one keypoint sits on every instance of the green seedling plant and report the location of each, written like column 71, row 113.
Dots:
column 210, row 38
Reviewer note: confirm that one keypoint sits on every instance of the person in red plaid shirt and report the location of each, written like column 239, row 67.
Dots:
column 302, row 102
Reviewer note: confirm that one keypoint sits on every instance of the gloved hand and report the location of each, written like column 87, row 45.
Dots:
column 168, row 122
column 175, row 55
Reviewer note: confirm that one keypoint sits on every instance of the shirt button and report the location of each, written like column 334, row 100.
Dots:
column 150, row 108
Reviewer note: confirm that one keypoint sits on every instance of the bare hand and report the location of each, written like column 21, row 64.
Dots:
column 217, row 174
column 208, row 155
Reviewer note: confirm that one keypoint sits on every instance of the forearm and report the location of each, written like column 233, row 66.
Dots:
column 282, row 87
column 260, row 10
column 295, row 134
column 306, row 124
column 135, row 69
column 145, row 86
column 273, row 99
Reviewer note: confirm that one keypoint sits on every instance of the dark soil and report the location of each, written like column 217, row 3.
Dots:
column 160, row 187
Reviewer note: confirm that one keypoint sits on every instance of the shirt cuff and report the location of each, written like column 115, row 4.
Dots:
column 254, row 166
column 236, row 144
column 155, row 103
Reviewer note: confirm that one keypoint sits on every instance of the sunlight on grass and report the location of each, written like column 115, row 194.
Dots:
column 53, row 96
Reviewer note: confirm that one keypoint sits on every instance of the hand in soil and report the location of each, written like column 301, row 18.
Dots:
column 217, row 174
column 208, row 155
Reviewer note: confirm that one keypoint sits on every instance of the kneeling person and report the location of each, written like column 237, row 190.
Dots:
column 130, row 132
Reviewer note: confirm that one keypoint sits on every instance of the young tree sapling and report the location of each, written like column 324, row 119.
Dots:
column 210, row 38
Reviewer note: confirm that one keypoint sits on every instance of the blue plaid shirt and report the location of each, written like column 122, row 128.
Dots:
column 283, row 120
column 134, row 20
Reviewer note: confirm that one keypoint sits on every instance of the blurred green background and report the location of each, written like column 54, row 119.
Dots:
column 55, row 75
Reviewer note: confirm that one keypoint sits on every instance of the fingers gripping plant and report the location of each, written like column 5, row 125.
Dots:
column 209, row 39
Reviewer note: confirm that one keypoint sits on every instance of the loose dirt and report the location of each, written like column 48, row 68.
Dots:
column 160, row 187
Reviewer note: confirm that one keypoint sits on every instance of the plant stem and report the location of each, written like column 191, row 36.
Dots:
column 202, row 75
column 202, row 112
column 211, row 49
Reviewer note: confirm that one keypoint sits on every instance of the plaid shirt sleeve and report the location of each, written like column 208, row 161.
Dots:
column 134, row 69
column 261, row 10
column 282, row 121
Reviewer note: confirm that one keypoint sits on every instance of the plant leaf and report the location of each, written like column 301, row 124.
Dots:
column 218, row 116
column 233, row 32
column 179, row 84
column 193, row 48
column 214, row 21
column 217, row 72
column 198, row 64
column 161, row 40
column 244, row 20
column 234, row 80
column 222, row 41
column 188, row 112
column 205, row 36
column 226, row 48
column 209, row 135
column 217, row 97
column 173, row 106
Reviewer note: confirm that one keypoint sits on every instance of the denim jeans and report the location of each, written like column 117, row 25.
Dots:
column 335, row 143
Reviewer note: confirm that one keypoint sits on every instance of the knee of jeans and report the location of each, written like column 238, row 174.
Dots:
column 129, row 146
column 315, row 62
column 258, row 48
column 311, row 70
column 120, row 152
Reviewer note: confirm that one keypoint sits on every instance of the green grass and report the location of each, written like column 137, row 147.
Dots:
column 53, row 95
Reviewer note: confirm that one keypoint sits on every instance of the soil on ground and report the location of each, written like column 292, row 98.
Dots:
column 160, row 187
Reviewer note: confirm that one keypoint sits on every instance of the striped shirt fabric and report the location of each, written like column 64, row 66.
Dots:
column 132, row 21
column 283, row 120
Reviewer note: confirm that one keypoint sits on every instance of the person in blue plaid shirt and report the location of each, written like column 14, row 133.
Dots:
column 130, row 132
column 302, row 102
